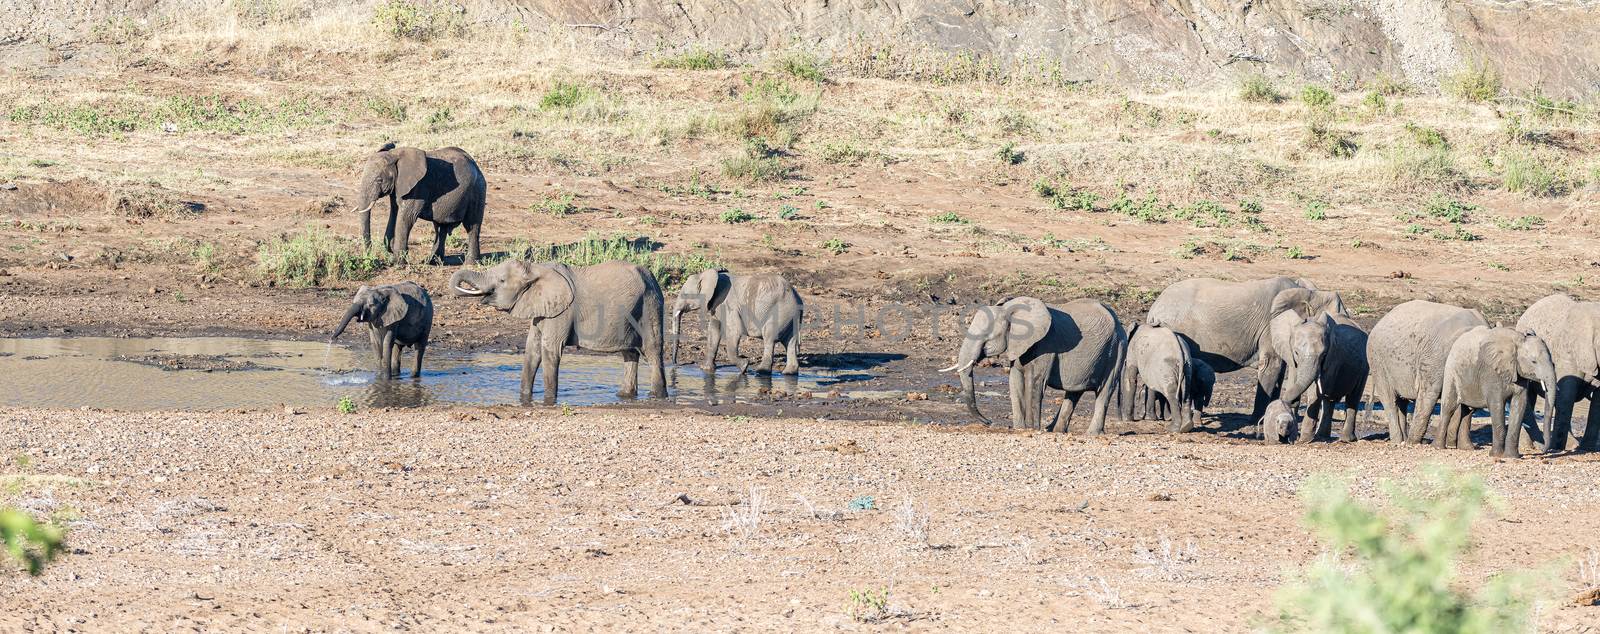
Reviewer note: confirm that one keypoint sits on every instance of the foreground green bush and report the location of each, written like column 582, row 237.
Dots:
column 28, row 541
column 1392, row 570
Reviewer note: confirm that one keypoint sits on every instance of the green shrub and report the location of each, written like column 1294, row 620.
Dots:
column 313, row 257
column 347, row 405
column 1316, row 96
column 835, row 246
column 1520, row 223
column 788, row 212
column 1427, row 137
column 32, row 543
column 736, row 216
column 1386, row 85
column 1528, row 174
column 801, row 65
column 1329, row 141
column 1075, row 200
column 755, row 169
column 1476, row 82
column 564, row 94
column 1259, row 89
column 694, row 59
column 669, row 270
column 1448, row 209
column 950, row 218
column 418, row 20
column 1316, row 209
column 1454, row 232
column 1391, row 568
column 1009, row 154
column 558, row 204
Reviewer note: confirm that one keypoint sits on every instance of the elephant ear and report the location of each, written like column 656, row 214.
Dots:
column 411, row 164
column 711, row 281
column 1305, row 283
column 1027, row 320
column 548, row 292
column 1306, row 302
column 394, row 307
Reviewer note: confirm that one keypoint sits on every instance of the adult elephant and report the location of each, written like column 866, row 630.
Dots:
column 444, row 187
column 610, row 307
column 1572, row 331
column 1076, row 347
column 1407, row 350
column 1229, row 322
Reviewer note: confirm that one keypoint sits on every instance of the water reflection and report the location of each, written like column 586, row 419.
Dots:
column 207, row 373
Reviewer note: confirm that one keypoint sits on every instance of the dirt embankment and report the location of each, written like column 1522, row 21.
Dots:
column 1546, row 45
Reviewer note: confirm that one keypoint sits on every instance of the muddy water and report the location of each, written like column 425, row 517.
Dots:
column 210, row 373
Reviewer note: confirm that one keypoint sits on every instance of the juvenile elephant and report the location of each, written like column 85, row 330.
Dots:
column 609, row 307
column 1158, row 360
column 1228, row 321
column 1572, row 331
column 1277, row 423
column 444, row 187
column 1202, row 381
column 1407, row 351
column 1486, row 369
column 397, row 316
column 1343, row 377
column 1076, row 347
column 737, row 306
column 1298, row 346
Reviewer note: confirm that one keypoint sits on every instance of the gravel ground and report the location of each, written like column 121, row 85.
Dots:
column 543, row 519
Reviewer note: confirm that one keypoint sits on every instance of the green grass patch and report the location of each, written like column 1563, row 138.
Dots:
column 1316, row 96
column 557, row 204
column 836, row 246
column 565, row 94
column 313, row 257
column 801, row 65
column 1475, row 82
column 669, row 269
column 1259, row 89
column 1528, row 174
column 1520, row 223
column 694, row 59
column 736, row 216
column 950, row 218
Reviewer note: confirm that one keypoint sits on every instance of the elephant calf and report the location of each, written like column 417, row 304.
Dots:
column 1489, row 368
column 1158, row 361
column 397, row 316
column 1277, row 424
column 737, row 306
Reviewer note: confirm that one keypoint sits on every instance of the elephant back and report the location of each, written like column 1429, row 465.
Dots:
column 1408, row 347
column 609, row 298
column 1090, row 340
column 1225, row 320
column 1570, row 328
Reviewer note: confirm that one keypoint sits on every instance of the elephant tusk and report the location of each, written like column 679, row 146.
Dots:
column 365, row 209
column 469, row 291
column 957, row 367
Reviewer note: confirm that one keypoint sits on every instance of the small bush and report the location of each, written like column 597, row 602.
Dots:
column 418, row 20
column 1527, row 174
column 788, row 212
column 1520, row 223
column 669, row 270
column 146, row 201
column 563, row 94
column 1476, row 82
column 839, row 152
column 1427, row 137
column 559, row 204
column 1454, row 232
column 1316, row 210
column 313, row 257
column 347, row 405
column 1075, row 200
column 1009, row 154
column 694, row 59
column 801, row 65
column 754, row 169
column 835, row 246
column 1316, row 96
column 1259, row 89
column 1423, row 167
column 1392, row 570
column 1328, row 141
column 736, row 216
column 28, row 541
column 1386, row 85
column 1251, row 206
column 1448, row 209
column 950, row 218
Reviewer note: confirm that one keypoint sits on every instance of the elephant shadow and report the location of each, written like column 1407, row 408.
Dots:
column 849, row 360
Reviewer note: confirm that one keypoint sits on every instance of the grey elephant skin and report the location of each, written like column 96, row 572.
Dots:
column 1488, row 368
column 1277, row 423
column 1076, row 347
column 1228, row 322
column 1202, row 382
column 1158, row 362
column 763, row 306
column 1407, row 350
column 1341, row 378
column 610, row 307
column 1298, row 347
column 397, row 316
column 1571, row 329
column 443, row 186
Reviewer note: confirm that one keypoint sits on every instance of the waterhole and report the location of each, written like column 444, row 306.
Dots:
column 211, row 373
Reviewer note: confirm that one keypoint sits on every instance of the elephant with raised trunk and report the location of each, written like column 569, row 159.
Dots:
column 762, row 306
column 443, row 186
column 1407, row 351
column 1158, row 371
column 397, row 316
column 610, row 307
column 1489, row 368
column 1076, row 347
column 1572, row 331
column 1228, row 322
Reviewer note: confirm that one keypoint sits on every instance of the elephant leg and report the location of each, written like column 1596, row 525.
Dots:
column 630, row 374
column 552, row 372
column 388, row 354
column 441, row 234
column 376, row 337
column 1591, row 429
column 1447, row 417
column 531, row 358
column 713, row 343
column 402, row 236
column 1018, row 389
column 1267, row 377
column 733, row 331
column 416, row 370
column 1497, row 434
column 652, row 346
column 1557, row 429
column 1125, row 395
column 1102, row 401
column 1392, row 413
column 1324, row 431
column 473, row 231
column 1036, row 392
column 395, row 351
column 791, row 364
column 1069, row 404
column 388, row 227
column 764, row 366
column 1421, row 417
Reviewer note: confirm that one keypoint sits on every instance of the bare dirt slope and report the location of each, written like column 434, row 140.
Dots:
column 516, row 520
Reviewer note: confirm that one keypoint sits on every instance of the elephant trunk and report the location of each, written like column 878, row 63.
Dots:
column 677, row 332
column 969, row 394
column 355, row 309
column 366, row 223
column 971, row 353
column 1302, row 375
column 474, row 284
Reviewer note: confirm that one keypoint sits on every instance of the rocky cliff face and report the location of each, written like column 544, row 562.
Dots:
column 1545, row 44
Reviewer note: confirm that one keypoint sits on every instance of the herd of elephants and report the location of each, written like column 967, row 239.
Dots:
column 1302, row 342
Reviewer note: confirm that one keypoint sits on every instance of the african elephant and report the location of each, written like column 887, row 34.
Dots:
column 1228, row 321
column 609, row 307
column 397, row 316
column 1343, row 377
column 444, row 187
column 1202, row 381
column 1076, row 347
column 737, row 306
column 1407, row 351
column 1277, row 423
column 1486, row 369
column 1572, row 331
column 1158, row 360
column 1298, row 347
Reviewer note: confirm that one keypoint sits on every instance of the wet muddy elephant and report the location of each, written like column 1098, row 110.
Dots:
column 397, row 316
column 1076, row 347
column 442, row 186
column 611, row 307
